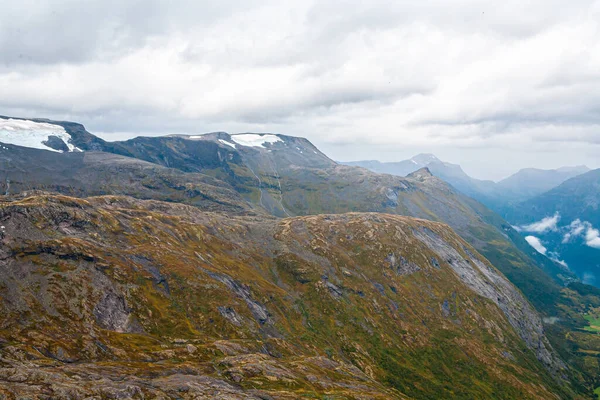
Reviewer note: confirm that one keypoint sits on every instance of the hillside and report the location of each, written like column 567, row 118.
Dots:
column 261, row 177
column 119, row 297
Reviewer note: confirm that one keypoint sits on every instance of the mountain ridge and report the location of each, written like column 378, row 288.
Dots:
column 288, row 180
column 524, row 184
column 141, row 307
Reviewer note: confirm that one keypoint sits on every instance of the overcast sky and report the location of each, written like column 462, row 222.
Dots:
column 492, row 85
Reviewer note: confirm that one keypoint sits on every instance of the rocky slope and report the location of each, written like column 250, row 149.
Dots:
column 116, row 297
column 95, row 173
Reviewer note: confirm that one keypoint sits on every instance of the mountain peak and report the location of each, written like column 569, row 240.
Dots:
column 425, row 158
column 421, row 174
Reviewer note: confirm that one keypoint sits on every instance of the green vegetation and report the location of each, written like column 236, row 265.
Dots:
column 594, row 321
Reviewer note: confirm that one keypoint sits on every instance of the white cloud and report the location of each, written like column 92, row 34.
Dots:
column 580, row 228
column 536, row 244
column 545, row 225
column 592, row 238
column 554, row 256
column 576, row 228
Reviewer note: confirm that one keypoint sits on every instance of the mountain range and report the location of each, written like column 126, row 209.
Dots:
column 253, row 266
column 523, row 185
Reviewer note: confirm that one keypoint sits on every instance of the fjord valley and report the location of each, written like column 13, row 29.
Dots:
column 252, row 266
column 555, row 210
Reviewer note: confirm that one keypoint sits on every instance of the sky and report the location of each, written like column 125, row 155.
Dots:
column 493, row 86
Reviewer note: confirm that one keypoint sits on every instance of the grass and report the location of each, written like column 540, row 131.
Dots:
column 594, row 323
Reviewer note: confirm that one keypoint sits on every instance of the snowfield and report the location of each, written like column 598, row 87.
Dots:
column 255, row 140
column 32, row 134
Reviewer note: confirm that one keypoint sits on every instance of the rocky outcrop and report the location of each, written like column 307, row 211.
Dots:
column 488, row 282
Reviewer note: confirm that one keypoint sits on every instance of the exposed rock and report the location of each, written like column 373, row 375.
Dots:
column 258, row 310
column 230, row 314
column 111, row 313
column 401, row 265
column 56, row 143
column 488, row 282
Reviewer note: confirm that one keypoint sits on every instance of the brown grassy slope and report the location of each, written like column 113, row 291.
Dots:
column 114, row 296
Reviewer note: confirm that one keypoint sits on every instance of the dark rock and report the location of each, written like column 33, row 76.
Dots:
column 56, row 143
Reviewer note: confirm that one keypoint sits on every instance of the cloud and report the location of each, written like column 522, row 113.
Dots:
column 536, row 244
column 578, row 228
column 512, row 78
column 550, row 320
column 554, row 256
column 592, row 238
column 545, row 225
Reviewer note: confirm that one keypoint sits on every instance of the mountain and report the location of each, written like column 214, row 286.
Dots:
column 521, row 186
column 118, row 297
column 401, row 168
column 578, row 197
column 97, row 173
column 288, row 176
column 566, row 219
column 530, row 182
column 266, row 177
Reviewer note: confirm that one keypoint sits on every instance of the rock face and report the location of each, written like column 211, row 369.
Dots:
column 347, row 305
column 487, row 282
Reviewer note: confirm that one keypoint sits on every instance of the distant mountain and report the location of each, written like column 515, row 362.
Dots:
column 566, row 221
column 523, row 185
column 400, row 168
column 578, row 197
column 530, row 182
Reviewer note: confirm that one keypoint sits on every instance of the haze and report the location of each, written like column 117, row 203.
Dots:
column 493, row 86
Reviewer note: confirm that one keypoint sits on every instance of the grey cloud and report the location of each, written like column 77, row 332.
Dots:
column 458, row 74
column 72, row 31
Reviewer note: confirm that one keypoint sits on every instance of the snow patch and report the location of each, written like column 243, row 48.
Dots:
column 32, row 134
column 226, row 143
column 255, row 140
